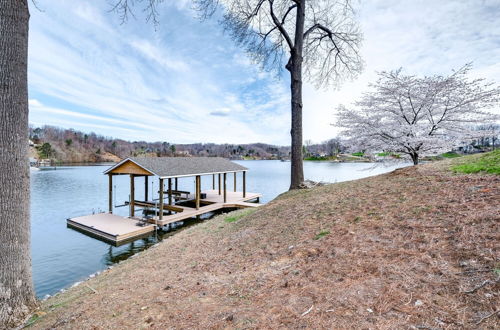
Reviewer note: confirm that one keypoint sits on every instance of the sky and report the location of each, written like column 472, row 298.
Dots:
column 185, row 81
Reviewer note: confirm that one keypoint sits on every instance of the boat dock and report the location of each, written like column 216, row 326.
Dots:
column 171, row 204
column 212, row 202
column 110, row 227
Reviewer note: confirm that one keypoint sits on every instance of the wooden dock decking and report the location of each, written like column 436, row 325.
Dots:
column 111, row 227
column 116, row 229
column 212, row 202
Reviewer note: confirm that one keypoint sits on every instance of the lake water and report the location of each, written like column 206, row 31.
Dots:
column 62, row 256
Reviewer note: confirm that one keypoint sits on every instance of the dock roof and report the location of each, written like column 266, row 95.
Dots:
column 170, row 167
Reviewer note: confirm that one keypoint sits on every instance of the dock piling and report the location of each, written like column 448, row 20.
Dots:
column 234, row 181
column 161, row 199
column 244, row 184
column 198, row 192
column 225, row 188
column 132, row 195
column 110, row 196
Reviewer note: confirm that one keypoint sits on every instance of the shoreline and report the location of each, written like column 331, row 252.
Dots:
column 267, row 268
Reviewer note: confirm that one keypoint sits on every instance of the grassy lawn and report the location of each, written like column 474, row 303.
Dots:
column 314, row 158
column 450, row 154
column 238, row 215
column 358, row 154
column 486, row 163
column 386, row 154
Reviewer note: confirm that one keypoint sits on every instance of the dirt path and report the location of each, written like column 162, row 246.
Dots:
column 418, row 247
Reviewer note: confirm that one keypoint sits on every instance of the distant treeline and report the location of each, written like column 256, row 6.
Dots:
column 68, row 145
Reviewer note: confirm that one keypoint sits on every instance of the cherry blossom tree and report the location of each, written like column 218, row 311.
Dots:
column 419, row 116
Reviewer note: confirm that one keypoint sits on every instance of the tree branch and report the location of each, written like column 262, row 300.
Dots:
column 280, row 26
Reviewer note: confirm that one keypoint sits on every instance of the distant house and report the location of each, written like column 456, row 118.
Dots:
column 31, row 143
column 33, row 161
column 183, row 153
column 45, row 162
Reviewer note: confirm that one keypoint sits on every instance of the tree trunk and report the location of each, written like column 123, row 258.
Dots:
column 16, row 288
column 414, row 158
column 295, row 68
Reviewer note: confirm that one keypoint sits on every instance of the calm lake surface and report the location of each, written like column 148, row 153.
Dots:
column 62, row 256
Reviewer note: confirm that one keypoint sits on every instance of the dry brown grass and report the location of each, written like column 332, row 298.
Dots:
column 403, row 250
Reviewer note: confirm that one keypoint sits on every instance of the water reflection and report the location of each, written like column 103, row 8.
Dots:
column 125, row 250
column 62, row 256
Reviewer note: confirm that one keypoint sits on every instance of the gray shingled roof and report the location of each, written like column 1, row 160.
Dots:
column 183, row 166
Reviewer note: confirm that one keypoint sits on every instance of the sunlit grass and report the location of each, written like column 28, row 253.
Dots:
column 486, row 163
column 321, row 234
column 450, row 154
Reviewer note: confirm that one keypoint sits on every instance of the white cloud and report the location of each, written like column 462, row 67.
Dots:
column 159, row 55
column 34, row 103
column 188, row 82
column 424, row 37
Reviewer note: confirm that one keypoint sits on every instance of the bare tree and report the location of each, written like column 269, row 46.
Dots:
column 17, row 297
column 125, row 9
column 16, row 289
column 488, row 134
column 318, row 39
column 333, row 146
column 419, row 116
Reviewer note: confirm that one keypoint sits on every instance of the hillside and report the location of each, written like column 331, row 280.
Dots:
column 414, row 248
column 69, row 146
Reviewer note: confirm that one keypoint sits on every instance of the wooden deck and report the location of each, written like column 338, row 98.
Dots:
column 116, row 229
column 233, row 200
column 110, row 227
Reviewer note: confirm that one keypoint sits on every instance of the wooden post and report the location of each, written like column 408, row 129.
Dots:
column 225, row 189
column 244, row 184
column 146, row 182
column 219, row 183
column 176, row 184
column 110, row 196
column 234, row 181
column 197, row 192
column 170, row 194
column 213, row 181
column 132, row 195
column 161, row 199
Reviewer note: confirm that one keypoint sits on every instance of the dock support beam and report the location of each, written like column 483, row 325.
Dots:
column 213, row 181
column 110, row 196
column 219, row 183
column 176, row 184
column 244, row 184
column 198, row 192
column 225, row 188
column 169, row 194
column 161, row 199
column 234, row 181
column 146, row 182
column 132, row 195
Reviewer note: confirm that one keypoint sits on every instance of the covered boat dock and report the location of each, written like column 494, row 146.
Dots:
column 170, row 204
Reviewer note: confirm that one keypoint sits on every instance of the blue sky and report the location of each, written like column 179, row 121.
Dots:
column 187, row 81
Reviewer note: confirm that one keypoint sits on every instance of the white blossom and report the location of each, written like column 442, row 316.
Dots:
column 419, row 116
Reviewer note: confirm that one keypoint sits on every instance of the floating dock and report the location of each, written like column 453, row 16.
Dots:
column 111, row 227
column 171, row 204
